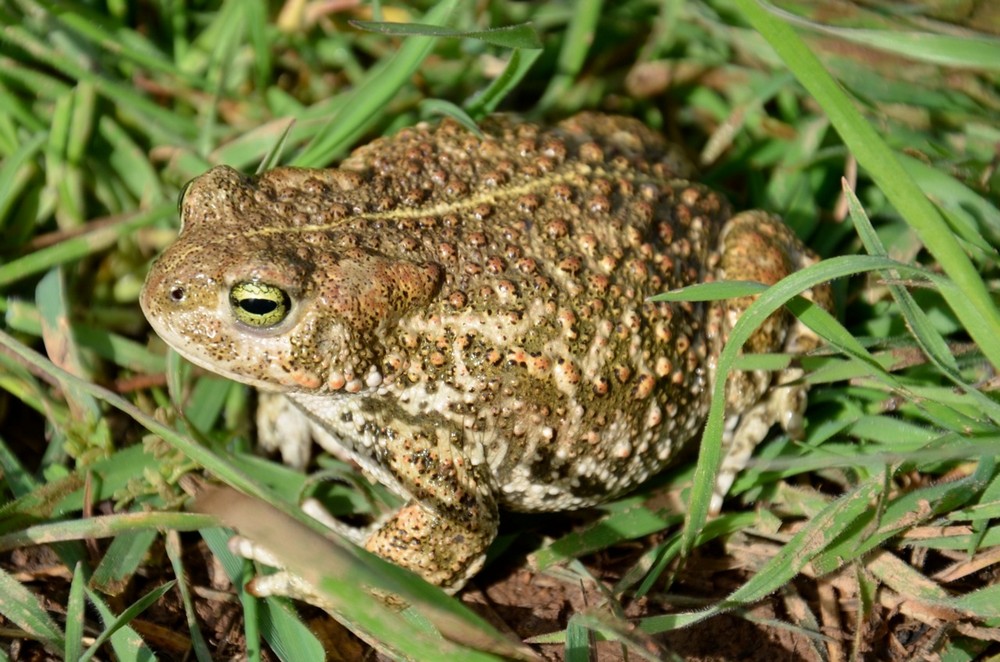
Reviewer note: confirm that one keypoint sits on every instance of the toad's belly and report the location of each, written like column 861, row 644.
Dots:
column 533, row 463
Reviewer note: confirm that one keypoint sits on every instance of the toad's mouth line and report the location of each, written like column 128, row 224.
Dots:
column 575, row 173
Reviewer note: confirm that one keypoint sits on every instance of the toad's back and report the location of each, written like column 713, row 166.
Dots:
column 538, row 342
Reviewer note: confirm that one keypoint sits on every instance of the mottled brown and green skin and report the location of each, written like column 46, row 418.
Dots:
column 469, row 316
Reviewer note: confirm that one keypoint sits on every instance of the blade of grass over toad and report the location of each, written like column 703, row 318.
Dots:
column 841, row 339
column 970, row 300
column 710, row 450
column 305, row 554
column 515, row 37
column 831, row 331
column 268, row 618
column 369, row 99
column 931, row 342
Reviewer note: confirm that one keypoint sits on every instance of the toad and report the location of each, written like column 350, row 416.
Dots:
column 468, row 317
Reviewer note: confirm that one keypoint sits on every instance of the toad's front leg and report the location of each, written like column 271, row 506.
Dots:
column 451, row 517
column 443, row 530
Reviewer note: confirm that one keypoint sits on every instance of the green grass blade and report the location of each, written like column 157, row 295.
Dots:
column 14, row 171
column 130, row 644
column 165, row 125
column 368, row 100
column 121, row 560
column 100, row 526
column 131, row 163
column 442, row 108
column 79, row 246
column 920, row 325
column 517, row 67
column 984, row 603
column 22, row 608
column 521, row 36
column 174, row 552
column 710, row 451
column 578, row 648
column 257, row 18
column 575, row 46
column 75, row 614
column 970, row 214
column 631, row 520
column 821, row 530
column 971, row 301
column 968, row 50
column 123, row 44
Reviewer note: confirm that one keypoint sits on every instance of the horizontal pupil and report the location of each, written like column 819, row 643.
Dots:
column 258, row 306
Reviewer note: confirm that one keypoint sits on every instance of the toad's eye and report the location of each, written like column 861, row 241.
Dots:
column 259, row 304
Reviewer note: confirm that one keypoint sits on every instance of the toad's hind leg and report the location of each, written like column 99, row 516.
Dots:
column 451, row 518
column 757, row 246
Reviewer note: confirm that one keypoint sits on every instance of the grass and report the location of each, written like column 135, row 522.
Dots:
column 874, row 135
